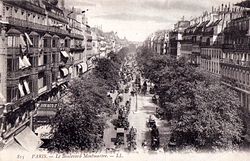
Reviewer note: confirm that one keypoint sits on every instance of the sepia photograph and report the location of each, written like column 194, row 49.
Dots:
column 125, row 80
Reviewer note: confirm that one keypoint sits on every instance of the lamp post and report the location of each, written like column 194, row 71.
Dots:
column 136, row 103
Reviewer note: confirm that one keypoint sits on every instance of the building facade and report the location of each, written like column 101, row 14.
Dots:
column 41, row 50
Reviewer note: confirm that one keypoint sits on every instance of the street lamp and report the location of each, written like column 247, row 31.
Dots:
column 136, row 103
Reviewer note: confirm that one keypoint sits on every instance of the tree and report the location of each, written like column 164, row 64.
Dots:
column 108, row 72
column 210, row 121
column 79, row 124
column 203, row 114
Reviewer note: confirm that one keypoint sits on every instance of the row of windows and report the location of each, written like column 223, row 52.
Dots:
column 241, row 25
column 24, row 87
column 46, row 42
column 9, row 11
column 35, row 61
column 229, row 39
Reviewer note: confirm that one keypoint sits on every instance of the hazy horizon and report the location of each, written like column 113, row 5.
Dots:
column 136, row 19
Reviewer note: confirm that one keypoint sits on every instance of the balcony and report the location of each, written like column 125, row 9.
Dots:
column 24, row 99
column 19, row 73
column 57, row 17
column 37, row 27
column 13, row 51
column 79, row 36
column 244, row 65
column 26, row 4
column 236, row 47
column 47, row 49
column 63, row 80
column 12, row 130
column 41, row 68
column 77, row 48
column 33, row 50
column 235, row 84
column 42, row 90
column 26, row 24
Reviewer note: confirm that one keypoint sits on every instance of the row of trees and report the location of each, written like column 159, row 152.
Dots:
column 203, row 114
column 79, row 123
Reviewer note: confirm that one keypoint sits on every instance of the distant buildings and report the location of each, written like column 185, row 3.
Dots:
column 159, row 42
column 217, row 42
column 43, row 45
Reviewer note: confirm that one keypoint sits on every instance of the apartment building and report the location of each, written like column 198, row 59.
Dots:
column 235, row 61
column 41, row 50
column 175, row 38
column 158, row 42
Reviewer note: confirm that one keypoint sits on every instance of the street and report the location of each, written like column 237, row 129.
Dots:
column 137, row 118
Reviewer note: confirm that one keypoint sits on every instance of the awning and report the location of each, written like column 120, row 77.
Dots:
column 26, row 61
column 65, row 71
column 79, row 66
column 47, row 35
column 64, row 86
column 23, row 43
column 21, row 63
column 67, row 38
column 65, row 54
column 13, row 145
column 55, row 36
column 20, row 87
column 28, row 39
column 26, row 85
column 33, row 33
column 13, row 31
column 28, row 139
column 84, row 66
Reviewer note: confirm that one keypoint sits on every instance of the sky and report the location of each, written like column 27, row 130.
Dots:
column 136, row 19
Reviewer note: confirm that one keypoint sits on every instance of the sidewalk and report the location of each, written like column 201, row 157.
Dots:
column 138, row 120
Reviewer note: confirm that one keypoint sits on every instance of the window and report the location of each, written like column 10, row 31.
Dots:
column 41, row 80
column 9, row 97
column 53, row 57
column 54, row 43
column 67, row 43
column 53, row 76
column 12, row 94
column 45, row 59
column 45, row 43
column 9, row 65
column 34, row 41
column 40, row 60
